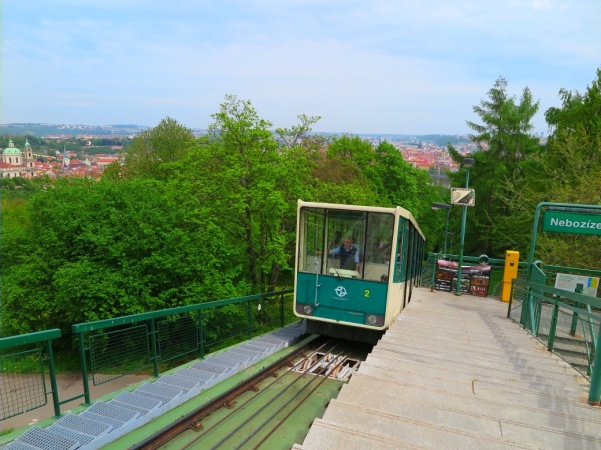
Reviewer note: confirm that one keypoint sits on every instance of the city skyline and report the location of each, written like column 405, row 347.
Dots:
column 382, row 67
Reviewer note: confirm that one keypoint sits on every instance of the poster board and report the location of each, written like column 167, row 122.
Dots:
column 577, row 283
column 474, row 279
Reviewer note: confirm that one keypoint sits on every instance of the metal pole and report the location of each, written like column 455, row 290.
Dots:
column 53, row 384
column 446, row 233
column 594, row 393
column 462, row 238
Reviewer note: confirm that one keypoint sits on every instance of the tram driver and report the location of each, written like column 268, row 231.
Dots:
column 348, row 255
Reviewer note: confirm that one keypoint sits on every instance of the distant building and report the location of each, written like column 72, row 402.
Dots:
column 17, row 163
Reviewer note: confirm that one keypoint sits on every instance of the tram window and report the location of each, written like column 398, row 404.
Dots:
column 399, row 257
column 378, row 246
column 324, row 232
column 311, row 241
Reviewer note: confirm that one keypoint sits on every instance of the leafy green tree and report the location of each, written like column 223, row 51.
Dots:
column 568, row 172
column 151, row 152
column 237, row 179
column 576, row 126
column 506, row 144
column 293, row 136
column 93, row 250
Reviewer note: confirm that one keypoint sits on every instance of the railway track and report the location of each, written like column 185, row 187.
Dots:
column 272, row 409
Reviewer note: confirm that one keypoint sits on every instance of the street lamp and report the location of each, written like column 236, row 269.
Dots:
column 467, row 163
column 436, row 206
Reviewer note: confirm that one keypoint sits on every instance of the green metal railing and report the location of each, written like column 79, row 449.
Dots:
column 112, row 348
column 21, row 392
column 567, row 322
column 550, row 273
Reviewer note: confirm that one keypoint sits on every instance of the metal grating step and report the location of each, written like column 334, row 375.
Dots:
column 243, row 355
column 180, row 382
column 286, row 332
column 276, row 340
column 70, row 433
column 165, row 400
column 83, row 425
column 261, row 349
column 227, row 360
column 210, row 367
column 136, row 402
column 201, row 376
column 16, row 445
column 104, row 419
column 113, row 411
column 101, row 419
column 160, row 391
column 44, row 439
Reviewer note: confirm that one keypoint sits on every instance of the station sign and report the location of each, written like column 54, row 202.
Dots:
column 567, row 222
column 463, row 197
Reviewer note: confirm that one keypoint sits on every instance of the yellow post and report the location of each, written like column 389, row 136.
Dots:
column 510, row 272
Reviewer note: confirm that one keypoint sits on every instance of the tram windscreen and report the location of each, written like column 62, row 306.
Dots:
column 346, row 243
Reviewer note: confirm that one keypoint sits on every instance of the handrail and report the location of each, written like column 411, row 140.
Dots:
column 30, row 338
column 535, row 294
column 134, row 318
column 47, row 337
column 150, row 319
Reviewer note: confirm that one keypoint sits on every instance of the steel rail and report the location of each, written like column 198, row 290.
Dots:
column 192, row 419
column 292, row 383
column 241, row 407
column 341, row 360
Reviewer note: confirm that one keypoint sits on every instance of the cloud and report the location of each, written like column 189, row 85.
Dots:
column 364, row 66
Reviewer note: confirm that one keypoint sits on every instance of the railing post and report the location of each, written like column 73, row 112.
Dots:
column 532, row 314
column 591, row 329
column 84, row 369
column 574, row 324
column 250, row 319
column 511, row 293
column 153, row 348
column 52, row 371
column 282, row 310
column 553, row 327
column 201, row 335
column 434, row 264
column 594, row 393
column 538, row 312
column 524, row 311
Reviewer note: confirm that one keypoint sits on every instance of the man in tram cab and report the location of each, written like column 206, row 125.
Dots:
column 348, row 255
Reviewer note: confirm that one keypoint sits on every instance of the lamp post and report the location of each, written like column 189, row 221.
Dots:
column 436, row 206
column 467, row 163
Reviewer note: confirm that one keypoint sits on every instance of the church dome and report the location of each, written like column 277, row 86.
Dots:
column 11, row 149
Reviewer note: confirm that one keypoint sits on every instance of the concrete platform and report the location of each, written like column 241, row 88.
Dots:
column 454, row 372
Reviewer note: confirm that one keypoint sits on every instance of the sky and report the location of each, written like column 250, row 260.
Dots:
column 363, row 66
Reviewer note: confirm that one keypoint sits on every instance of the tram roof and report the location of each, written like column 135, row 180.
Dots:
column 397, row 210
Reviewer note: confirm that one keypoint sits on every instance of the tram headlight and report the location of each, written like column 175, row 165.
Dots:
column 374, row 320
column 307, row 310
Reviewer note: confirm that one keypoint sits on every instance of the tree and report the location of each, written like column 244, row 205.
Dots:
column 293, row 136
column 237, row 178
column 152, row 151
column 577, row 126
column 506, row 144
column 89, row 250
column 569, row 172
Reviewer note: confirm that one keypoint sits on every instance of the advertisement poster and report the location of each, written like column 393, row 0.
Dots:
column 474, row 279
column 577, row 283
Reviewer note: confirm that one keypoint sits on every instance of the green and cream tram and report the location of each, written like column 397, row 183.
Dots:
column 356, row 267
